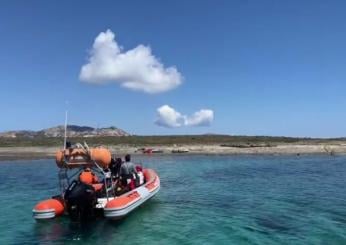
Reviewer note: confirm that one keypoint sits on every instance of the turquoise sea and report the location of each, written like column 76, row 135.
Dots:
column 203, row 199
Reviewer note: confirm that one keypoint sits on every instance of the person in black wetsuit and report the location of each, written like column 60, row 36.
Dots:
column 115, row 167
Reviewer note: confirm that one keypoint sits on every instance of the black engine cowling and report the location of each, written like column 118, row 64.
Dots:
column 80, row 200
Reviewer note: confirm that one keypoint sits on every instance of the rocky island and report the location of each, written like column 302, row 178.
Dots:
column 27, row 144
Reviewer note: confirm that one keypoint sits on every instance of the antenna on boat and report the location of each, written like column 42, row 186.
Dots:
column 65, row 130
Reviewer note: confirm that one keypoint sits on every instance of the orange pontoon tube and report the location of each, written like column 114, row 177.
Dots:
column 122, row 205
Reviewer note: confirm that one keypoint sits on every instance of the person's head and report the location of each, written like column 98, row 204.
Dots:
column 127, row 158
column 118, row 160
column 87, row 169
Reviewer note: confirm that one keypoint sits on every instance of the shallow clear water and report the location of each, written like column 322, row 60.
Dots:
column 203, row 200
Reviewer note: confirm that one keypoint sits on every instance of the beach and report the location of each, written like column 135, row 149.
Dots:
column 40, row 152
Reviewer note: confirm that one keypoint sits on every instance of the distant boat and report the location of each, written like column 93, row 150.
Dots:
column 157, row 151
column 151, row 150
column 180, row 151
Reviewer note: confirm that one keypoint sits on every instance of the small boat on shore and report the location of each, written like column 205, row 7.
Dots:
column 182, row 150
column 151, row 150
column 105, row 198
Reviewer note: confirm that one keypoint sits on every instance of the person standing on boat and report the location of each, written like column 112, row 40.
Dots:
column 127, row 172
column 115, row 167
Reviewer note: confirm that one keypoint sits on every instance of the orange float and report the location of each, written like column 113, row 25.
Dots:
column 74, row 157
column 49, row 208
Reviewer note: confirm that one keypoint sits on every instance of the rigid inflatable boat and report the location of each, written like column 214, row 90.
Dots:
column 101, row 198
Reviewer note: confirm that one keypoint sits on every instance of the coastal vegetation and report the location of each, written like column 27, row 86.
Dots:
column 222, row 140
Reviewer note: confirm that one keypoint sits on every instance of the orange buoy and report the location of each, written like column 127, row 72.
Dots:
column 101, row 155
column 74, row 157
column 88, row 177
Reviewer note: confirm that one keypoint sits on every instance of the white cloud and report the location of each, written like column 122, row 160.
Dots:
column 202, row 117
column 136, row 69
column 170, row 118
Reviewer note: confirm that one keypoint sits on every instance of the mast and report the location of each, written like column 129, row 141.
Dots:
column 65, row 130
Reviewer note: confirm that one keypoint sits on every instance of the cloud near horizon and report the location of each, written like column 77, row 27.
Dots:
column 170, row 118
column 136, row 69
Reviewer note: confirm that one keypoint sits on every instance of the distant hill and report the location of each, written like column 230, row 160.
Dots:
column 72, row 131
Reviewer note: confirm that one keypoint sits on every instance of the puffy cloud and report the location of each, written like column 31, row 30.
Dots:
column 202, row 117
column 136, row 69
column 170, row 118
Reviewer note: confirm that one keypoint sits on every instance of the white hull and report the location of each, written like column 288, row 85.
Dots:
column 118, row 213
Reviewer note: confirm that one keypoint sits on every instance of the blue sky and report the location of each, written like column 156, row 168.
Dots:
column 262, row 67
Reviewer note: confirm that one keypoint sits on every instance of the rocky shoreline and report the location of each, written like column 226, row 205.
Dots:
column 18, row 153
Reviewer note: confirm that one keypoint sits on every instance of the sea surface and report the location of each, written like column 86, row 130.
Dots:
column 204, row 199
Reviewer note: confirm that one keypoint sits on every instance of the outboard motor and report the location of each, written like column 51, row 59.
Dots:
column 80, row 201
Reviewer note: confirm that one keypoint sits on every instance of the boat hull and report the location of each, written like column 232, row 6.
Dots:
column 113, row 208
column 123, row 205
